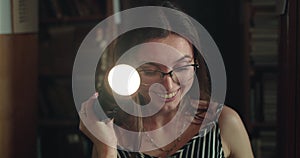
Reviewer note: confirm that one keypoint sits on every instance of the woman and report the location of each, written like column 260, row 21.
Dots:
column 173, row 75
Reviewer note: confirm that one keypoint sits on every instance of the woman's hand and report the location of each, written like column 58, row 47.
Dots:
column 101, row 133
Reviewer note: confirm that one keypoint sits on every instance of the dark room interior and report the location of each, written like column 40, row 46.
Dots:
column 259, row 41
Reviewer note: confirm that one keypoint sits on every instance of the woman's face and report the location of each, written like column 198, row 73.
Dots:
column 166, row 71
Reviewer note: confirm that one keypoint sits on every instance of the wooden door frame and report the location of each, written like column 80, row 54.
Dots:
column 298, row 81
column 289, row 82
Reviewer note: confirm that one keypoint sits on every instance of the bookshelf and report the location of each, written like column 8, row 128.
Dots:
column 262, row 46
column 63, row 25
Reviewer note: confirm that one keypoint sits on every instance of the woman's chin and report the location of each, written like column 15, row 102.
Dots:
column 171, row 104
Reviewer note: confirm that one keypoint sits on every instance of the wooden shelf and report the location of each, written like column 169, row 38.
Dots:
column 58, row 123
column 264, row 5
column 77, row 19
column 266, row 67
column 264, row 125
column 56, row 73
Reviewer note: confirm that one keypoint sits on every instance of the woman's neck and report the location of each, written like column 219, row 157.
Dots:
column 159, row 119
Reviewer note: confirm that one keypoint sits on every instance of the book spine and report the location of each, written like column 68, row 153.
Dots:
column 5, row 17
column 25, row 16
column 18, row 16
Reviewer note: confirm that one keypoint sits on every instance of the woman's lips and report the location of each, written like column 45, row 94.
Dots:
column 167, row 96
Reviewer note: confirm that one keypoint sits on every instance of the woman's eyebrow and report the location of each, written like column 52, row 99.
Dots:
column 184, row 57
column 149, row 64
column 146, row 64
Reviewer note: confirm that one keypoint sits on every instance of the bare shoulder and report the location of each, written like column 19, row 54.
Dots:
column 229, row 117
column 234, row 136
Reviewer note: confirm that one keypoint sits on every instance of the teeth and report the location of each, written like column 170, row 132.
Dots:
column 167, row 96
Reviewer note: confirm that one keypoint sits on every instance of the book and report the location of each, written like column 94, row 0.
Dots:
column 5, row 17
column 264, row 35
column 270, row 97
column 25, row 16
column 18, row 16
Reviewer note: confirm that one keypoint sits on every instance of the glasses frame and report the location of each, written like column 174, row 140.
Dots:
column 170, row 73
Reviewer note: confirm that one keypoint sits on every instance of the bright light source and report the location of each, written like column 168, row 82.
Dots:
column 124, row 79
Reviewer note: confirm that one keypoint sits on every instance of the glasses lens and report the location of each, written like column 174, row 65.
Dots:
column 184, row 73
column 150, row 76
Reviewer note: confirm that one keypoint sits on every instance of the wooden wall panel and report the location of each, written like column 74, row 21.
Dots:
column 18, row 95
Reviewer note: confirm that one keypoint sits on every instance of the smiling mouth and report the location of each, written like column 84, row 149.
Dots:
column 168, row 95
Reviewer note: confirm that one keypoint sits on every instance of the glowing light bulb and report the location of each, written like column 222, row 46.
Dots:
column 124, row 79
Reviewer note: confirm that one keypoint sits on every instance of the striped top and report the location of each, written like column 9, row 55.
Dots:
column 207, row 146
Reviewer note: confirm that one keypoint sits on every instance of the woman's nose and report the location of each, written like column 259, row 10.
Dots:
column 168, row 82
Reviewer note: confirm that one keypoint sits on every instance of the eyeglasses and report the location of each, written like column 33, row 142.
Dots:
column 180, row 74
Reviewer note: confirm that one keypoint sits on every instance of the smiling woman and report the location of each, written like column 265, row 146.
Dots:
column 172, row 113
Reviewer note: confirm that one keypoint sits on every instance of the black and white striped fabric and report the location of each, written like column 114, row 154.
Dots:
column 207, row 146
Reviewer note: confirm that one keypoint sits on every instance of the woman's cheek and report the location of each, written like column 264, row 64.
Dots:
column 186, row 87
